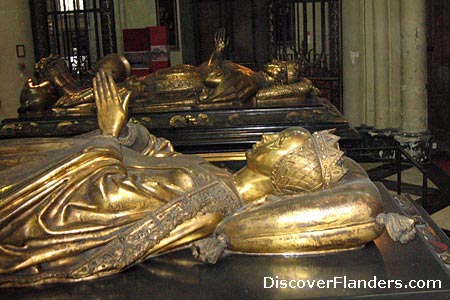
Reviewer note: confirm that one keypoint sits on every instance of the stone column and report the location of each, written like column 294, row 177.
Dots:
column 353, row 62
column 414, row 65
column 413, row 136
column 384, row 71
column 381, row 68
column 394, row 64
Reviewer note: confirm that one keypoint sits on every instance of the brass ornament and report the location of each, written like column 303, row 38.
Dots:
column 234, row 119
column 180, row 121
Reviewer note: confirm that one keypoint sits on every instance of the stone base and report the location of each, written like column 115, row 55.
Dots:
column 418, row 145
column 199, row 129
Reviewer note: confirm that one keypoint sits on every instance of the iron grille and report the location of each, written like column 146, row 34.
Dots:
column 308, row 31
column 80, row 31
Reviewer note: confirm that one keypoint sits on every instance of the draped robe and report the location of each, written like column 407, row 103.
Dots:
column 80, row 208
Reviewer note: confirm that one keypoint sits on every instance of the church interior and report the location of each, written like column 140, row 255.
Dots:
column 377, row 72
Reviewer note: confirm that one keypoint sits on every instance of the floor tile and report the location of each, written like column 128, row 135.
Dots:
column 442, row 218
column 412, row 180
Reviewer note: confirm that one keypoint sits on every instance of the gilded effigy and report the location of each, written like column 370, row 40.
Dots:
column 183, row 103
column 214, row 84
column 80, row 208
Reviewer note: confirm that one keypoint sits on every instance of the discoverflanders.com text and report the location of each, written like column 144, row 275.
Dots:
column 347, row 283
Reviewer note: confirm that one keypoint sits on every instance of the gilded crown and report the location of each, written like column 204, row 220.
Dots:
column 315, row 164
column 330, row 156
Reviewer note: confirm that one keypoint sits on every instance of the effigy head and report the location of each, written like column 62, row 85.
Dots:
column 298, row 161
column 265, row 153
column 282, row 72
column 117, row 65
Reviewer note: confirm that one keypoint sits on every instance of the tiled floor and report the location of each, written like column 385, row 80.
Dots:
column 412, row 185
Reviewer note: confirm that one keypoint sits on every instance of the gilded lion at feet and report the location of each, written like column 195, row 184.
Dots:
column 74, row 209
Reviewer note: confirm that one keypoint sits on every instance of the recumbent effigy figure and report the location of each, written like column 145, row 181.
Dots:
column 214, row 83
column 79, row 208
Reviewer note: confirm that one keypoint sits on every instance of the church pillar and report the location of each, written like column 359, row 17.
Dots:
column 353, row 62
column 413, row 135
column 371, row 62
column 384, row 71
column 414, row 65
column 381, row 66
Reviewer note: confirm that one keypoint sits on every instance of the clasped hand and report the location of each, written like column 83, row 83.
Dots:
column 111, row 108
column 220, row 40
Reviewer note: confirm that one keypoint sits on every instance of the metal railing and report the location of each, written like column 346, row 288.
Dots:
column 80, row 31
column 399, row 155
column 309, row 31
